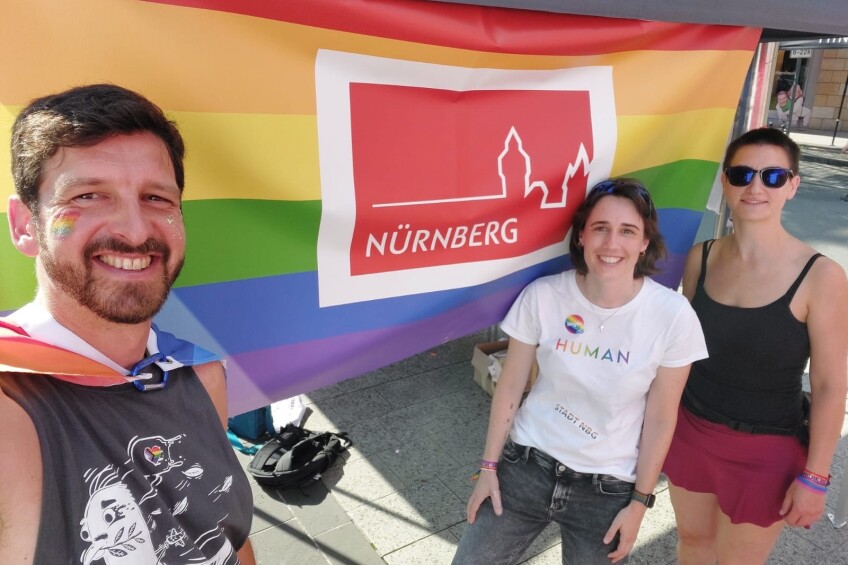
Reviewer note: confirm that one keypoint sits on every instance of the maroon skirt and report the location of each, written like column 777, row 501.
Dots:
column 748, row 473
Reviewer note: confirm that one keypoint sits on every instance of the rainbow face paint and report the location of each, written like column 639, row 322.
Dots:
column 63, row 224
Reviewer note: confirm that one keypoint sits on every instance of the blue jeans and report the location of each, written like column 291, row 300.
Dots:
column 535, row 490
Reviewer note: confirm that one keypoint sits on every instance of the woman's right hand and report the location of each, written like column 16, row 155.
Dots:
column 505, row 402
column 486, row 487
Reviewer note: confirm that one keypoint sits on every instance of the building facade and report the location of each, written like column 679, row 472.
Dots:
column 810, row 87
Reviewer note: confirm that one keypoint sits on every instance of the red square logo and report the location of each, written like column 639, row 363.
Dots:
column 436, row 177
column 444, row 177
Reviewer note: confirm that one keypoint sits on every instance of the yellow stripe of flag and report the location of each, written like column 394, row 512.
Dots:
column 272, row 157
column 649, row 141
column 275, row 157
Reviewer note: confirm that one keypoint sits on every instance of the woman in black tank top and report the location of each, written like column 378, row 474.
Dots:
column 767, row 303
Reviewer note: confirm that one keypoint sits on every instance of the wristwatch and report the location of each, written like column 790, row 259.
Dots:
column 646, row 499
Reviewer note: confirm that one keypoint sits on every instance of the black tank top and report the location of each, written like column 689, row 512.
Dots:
column 757, row 358
column 134, row 477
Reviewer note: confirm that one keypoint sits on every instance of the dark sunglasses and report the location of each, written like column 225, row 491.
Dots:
column 609, row 187
column 772, row 177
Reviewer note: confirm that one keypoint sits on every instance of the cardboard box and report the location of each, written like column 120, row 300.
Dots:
column 494, row 352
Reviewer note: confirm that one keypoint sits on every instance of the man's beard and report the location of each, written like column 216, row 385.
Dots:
column 118, row 302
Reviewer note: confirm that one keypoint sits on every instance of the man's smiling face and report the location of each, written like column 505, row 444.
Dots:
column 109, row 229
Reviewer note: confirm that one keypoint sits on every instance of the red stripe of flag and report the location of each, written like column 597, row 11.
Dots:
column 506, row 30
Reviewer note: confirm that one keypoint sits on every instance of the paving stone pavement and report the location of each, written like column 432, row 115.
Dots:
column 398, row 496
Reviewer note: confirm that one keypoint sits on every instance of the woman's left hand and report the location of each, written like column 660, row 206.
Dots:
column 626, row 524
column 801, row 506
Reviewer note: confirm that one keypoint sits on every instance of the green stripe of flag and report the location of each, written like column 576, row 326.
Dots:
column 17, row 281
column 234, row 239
column 243, row 239
column 682, row 184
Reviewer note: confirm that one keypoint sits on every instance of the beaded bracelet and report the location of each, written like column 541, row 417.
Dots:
column 816, row 478
column 813, row 486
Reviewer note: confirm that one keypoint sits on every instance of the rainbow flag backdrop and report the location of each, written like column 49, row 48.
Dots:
column 367, row 179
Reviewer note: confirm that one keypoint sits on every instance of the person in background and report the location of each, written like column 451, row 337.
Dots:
column 784, row 106
column 614, row 350
column 113, row 438
column 739, row 465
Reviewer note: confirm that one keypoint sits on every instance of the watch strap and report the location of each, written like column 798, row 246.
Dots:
column 643, row 498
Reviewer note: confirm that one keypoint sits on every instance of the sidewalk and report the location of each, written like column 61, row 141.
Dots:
column 418, row 426
column 816, row 147
column 399, row 495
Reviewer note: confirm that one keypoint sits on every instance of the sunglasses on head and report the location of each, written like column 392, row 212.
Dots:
column 609, row 186
column 771, row 177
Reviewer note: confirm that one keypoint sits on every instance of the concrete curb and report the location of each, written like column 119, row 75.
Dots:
column 827, row 154
column 823, row 159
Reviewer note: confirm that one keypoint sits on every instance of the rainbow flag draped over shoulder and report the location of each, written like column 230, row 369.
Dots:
column 367, row 179
column 22, row 353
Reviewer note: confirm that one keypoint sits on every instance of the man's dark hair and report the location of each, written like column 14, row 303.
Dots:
column 634, row 191
column 765, row 136
column 79, row 117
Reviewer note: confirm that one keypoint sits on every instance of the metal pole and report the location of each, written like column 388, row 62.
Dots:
column 839, row 114
column 721, row 228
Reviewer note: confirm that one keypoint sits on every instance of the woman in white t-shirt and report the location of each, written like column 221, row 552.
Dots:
column 614, row 349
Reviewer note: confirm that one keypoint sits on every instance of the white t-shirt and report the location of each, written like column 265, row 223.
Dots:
column 588, row 404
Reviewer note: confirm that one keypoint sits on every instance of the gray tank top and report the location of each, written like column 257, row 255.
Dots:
column 134, row 477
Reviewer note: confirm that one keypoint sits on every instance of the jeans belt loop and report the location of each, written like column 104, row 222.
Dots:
column 525, row 457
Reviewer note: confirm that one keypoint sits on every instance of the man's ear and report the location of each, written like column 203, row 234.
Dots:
column 22, row 227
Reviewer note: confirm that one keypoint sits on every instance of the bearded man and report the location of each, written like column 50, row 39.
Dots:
column 114, row 447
